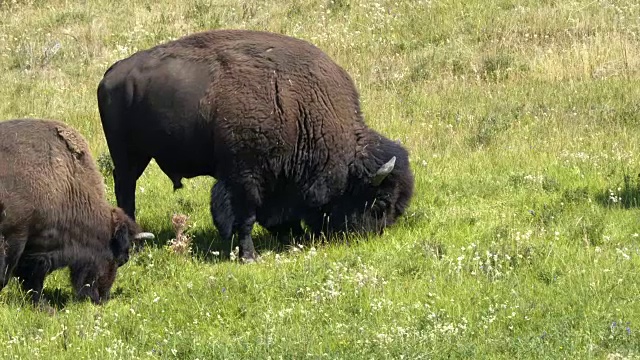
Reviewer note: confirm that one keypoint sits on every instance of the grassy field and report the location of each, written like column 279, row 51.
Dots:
column 522, row 241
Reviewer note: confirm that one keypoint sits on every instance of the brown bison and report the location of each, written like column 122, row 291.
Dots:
column 55, row 213
column 271, row 117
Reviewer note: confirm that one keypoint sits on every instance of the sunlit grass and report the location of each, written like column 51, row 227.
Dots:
column 523, row 123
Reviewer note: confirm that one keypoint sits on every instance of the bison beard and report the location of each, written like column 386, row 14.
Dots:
column 271, row 117
column 54, row 212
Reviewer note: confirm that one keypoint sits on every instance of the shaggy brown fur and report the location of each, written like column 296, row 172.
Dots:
column 55, row 211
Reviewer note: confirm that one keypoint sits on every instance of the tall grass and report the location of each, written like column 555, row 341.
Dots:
column 523, row 123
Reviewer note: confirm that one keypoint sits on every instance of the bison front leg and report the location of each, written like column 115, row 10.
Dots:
column 243, row 205
column 32, row 271
column 10, row 253
column 233, row 209
column 244, row 227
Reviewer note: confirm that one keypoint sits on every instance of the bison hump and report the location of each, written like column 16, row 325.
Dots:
column 74, row 142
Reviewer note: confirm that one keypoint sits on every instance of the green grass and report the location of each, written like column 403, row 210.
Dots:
column 523, row 123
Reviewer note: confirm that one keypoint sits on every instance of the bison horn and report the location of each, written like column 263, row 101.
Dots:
column 145, row 236
column 384, row 171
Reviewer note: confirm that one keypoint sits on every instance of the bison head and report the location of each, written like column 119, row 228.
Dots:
column 124, row 231
column 379, row 190
column 93, row 279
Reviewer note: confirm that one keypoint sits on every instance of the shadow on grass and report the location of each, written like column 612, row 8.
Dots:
column 625, row 195
column 58, row 298
column 208, row 245
column 413, row 219
column 52, row 299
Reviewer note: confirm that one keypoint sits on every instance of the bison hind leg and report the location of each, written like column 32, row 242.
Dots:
column 128, row 167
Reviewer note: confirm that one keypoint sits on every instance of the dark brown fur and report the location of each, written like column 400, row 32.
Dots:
column 270, row 116
column 55, row 210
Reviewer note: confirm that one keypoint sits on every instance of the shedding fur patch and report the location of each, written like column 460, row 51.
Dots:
column 73, row 140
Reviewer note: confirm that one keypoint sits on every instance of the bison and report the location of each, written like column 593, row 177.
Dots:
column 271, row 117
column 54, row 212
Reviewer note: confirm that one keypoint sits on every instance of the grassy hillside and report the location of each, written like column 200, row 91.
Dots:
column 522, row 241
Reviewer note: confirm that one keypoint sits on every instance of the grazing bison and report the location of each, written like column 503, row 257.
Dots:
column 54, row 211
column 271, row 117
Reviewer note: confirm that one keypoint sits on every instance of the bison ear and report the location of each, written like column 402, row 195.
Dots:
column 120, row 237
column 383, row 172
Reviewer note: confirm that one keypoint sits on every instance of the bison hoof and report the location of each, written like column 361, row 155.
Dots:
column 250, row 260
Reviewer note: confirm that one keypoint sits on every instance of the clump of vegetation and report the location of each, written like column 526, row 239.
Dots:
column 181, row 244
column 105, row 164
